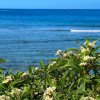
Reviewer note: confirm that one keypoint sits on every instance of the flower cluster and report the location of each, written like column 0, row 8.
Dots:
column 85, row 50
column 83, row 64
column 48, row 93
column 52, row 64
column 87, row 98
column 36, row 68
column 4, row 97
column 16, row 92
column 59, row 52
column 64, row 54
column 67, row 54
column 23, row 75
column 91, row 45
column 88, row 47
column 7, row 80
column 86, row 60
column 89, row 58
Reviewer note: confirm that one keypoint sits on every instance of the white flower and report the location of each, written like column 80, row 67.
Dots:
column 36, row 68
column 86, row 58
column 9, row 77
column 51, row 64
column 70, row 52
column 4, row 97
column 16, row 91
column 50, row 90
column 84, row 50
column 48, row 98
column 91, row 45
column 65, row 55
column 36, row 93
column 54, row 62
column 59, row 52
column 87, row 98
column 7, row 80
column 83, row 64
column 48, row 93
column 24, row 75
column 53, row 88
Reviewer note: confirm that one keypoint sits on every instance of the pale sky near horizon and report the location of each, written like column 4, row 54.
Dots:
column 50, row 4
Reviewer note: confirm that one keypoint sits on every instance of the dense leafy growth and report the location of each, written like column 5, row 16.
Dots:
column 73, row 75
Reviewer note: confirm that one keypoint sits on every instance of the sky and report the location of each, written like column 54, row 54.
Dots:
column 50, row 4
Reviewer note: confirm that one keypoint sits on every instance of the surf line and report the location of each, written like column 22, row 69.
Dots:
column 85, row 30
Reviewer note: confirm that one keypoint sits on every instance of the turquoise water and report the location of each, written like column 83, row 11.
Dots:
column 28, row 36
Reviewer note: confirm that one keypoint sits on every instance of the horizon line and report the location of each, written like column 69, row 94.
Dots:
column 49, row 9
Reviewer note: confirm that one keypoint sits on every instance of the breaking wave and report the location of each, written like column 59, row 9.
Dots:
column 85, row 31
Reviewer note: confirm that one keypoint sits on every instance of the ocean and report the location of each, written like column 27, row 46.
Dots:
column 28, row 36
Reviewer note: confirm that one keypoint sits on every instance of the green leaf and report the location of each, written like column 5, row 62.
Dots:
column 31, row 70
column 98, row 98
column 42, row 64
column 82, row 87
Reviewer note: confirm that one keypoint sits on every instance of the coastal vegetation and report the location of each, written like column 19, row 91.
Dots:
column 73, row 75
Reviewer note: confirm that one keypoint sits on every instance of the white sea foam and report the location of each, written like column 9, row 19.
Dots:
column 85, row 30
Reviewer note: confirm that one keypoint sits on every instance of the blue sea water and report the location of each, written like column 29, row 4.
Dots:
column 28, row 36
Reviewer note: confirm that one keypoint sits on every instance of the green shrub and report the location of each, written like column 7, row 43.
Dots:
column 73, row 75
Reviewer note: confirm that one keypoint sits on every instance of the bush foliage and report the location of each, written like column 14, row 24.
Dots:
column 73, row 75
